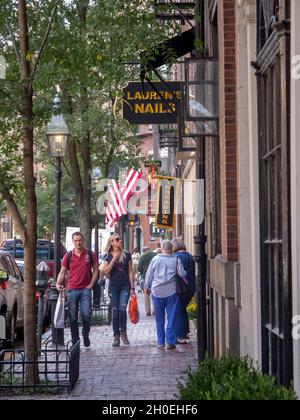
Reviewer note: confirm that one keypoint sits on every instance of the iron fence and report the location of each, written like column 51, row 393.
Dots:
column 54, row 369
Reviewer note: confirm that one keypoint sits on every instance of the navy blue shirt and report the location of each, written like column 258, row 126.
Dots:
column 188, row 263
column 119, row 275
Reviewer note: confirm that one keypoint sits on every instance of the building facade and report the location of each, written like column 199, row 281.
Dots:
column 251, row 184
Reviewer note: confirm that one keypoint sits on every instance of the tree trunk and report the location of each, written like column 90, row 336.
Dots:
column 85, row 221
column 31, row 204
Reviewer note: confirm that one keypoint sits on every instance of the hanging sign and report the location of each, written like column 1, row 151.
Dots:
column 156, row 232
column 168, row 189
column 149, row 163
column 151, row 104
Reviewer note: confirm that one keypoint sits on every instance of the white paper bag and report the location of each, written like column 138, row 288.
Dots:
column 59, row 314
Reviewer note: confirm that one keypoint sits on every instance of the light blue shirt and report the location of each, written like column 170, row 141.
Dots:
column 159, row 275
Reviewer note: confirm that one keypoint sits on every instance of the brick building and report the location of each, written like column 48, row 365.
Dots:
column 251, row 226
column 140, row 233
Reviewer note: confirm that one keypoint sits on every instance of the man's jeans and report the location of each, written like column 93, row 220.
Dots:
column 119, row 297
column 75, row 298
column 171, row 306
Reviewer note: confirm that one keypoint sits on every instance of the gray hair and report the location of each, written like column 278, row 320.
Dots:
column 167, row 246
column 178, row 245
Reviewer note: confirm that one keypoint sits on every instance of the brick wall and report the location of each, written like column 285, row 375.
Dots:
column 228, row 130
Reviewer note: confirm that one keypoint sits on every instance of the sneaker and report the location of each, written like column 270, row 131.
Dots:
column 86, row 342
column 181, row 341
column 171, row 346
column 116, row 341
column 124, row 338
column 160, row 346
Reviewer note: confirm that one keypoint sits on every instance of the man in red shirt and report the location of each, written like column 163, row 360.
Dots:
column 83, row 274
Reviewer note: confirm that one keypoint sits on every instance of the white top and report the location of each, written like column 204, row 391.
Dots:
column 135, row 258
column 160, row 275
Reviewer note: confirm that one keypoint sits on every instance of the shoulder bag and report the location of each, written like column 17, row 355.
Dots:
column 181, row 283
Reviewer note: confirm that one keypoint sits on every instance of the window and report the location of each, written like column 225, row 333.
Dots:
column 45, row 249
column 276, row 290
column 8, row 263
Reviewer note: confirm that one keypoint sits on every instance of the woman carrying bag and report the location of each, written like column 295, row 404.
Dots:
column 161, row 282
column 118, row 265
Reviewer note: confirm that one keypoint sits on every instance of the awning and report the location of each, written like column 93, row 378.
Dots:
column 166, row 52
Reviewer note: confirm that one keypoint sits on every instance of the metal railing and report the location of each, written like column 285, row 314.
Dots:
column 54, row 369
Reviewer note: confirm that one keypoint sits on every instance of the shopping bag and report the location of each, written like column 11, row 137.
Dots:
column 133, row 310
column 59, row 314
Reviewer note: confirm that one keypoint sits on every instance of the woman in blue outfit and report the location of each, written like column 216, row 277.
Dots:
column 188, row 262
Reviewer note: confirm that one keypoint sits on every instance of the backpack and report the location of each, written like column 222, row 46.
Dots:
column 69, row 255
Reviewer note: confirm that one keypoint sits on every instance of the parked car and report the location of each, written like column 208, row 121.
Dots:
column 44, row 251
column 47, row 303
column 11, row 296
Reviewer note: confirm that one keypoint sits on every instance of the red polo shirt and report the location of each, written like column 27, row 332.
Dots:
column 80, row 269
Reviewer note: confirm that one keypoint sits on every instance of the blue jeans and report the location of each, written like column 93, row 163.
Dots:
column 171, row 306
column 119, row 297
column 183, row 320
column 75, row 298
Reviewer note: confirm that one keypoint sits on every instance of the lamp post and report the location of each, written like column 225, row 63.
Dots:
column 57, row 134
column 96, row 175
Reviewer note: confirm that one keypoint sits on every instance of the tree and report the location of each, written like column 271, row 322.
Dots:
column 15, row 38
column 89, row 68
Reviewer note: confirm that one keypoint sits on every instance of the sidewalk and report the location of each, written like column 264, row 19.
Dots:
column 140, row 371
column 135, row 372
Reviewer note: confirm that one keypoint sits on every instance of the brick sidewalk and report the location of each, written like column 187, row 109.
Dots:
column 136, row 372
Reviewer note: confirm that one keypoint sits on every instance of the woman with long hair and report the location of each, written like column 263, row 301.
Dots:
column 117, row 264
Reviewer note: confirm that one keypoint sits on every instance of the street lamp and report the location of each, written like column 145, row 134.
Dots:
column 57, row 134
column 96, row 176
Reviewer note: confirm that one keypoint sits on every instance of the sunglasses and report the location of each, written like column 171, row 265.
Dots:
column 117, row 239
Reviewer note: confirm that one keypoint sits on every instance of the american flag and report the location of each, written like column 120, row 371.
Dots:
column 116, row 205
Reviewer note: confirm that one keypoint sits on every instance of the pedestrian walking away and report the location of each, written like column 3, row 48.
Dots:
column 160, row 280
column 188, row 263
column 142, row 269
column 81, row 265
column 118, row 265
column 135, row 256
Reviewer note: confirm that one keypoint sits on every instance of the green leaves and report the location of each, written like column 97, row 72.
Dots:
column 84, row 56
column 232, row 378
column 46, row 202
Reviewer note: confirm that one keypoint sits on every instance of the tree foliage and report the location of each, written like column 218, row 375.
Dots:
column 92, row 52
column 46, row 200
